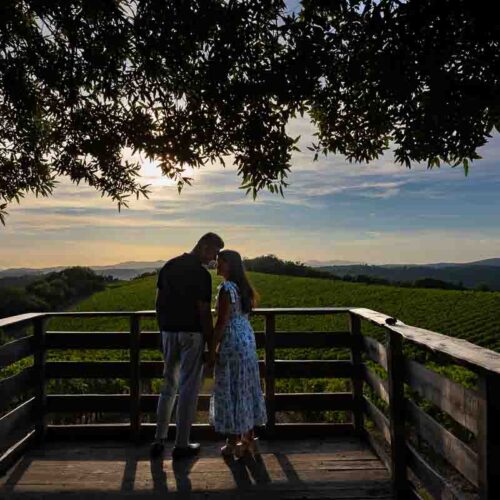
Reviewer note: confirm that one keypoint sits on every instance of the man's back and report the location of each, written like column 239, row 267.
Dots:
column 182, row 283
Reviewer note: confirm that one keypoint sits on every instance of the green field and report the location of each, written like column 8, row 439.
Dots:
column 474, row 316
column 471, row 315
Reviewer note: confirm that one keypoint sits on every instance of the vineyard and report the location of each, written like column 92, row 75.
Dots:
column 471, row 315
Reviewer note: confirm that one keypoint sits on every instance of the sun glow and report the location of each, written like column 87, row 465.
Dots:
column 151, row 174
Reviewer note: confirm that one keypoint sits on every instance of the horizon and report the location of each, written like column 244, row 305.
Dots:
column 380, row 213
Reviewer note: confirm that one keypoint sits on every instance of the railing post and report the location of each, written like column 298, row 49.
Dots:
column 395, row 373
column 39, row 356
column 489, row 436
column 270, row 330
column 135, row 363
column 357, row 381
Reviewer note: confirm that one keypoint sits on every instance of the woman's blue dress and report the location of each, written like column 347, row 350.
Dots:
column 237, row 403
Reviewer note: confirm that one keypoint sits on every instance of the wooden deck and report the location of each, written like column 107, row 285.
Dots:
column 328, row 468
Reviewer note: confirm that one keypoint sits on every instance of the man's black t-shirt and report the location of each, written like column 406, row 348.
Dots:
column 182, row 282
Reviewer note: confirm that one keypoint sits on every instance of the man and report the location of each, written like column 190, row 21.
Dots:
column 183, row 310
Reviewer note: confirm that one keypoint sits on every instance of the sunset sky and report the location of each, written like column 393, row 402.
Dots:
column 380, row 213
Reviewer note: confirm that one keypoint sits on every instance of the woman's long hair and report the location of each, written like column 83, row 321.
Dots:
column 237, row 275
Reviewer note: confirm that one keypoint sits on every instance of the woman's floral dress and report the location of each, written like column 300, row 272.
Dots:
column 237, row 403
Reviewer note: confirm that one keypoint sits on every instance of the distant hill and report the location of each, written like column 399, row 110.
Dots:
column 471, row 275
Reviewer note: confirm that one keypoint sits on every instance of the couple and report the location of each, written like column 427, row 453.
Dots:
column 183, row 307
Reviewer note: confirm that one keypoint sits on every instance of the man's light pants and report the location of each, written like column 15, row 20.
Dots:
column 183, row 356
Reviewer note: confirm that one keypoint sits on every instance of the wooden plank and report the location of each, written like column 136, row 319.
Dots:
column 459, row 402
column 134, row 381
column 16, row 424
column 300, row 311
column 88, row 369
column 432, row 481
column 395, row 384
column 154, row 369
column 378, row 385
column 313, row 369
column 379, row 419
column 378, row 448
column 313, row 339
column 357, row 380
column 67, row 403
column 332, row 401
column 461, row 351
column 19, row 319
column 375, row 351
column 150, row 340
column 15, row 452
column 270, row 374
column 15, row 386
column 444, row 443
column 39, row 363
column 198, row 431
column 488, row 436
column 87, row 340
column 16, row 350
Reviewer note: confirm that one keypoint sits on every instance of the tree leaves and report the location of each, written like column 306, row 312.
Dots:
column 190, row 82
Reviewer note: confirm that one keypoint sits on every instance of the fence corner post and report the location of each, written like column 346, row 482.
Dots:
column 270, row 330
column 395, row 373
column 489, row 436
column 357, row 380
column 39, row 357
column 135, row 365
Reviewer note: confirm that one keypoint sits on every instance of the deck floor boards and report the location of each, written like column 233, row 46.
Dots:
column 304, row 469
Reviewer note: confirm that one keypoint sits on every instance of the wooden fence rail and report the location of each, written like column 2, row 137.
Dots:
column 403, row 399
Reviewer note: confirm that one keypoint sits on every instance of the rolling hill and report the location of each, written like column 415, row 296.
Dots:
column 471, row 315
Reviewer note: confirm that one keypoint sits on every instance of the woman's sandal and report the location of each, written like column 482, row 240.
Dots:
column 228, row 450
column 247, row 445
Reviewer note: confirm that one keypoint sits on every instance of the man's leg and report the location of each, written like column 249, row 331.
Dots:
column 171, row 356
column 191, row 371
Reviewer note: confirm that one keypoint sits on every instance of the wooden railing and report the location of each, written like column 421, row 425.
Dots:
column 406, row 437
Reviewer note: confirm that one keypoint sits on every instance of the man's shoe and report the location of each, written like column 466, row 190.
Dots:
column 157, row 448
column 190, row 450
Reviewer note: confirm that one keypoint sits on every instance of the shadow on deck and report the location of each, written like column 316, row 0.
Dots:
column 328, row 468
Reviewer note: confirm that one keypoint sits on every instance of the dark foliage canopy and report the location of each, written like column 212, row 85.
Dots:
column 186, row 82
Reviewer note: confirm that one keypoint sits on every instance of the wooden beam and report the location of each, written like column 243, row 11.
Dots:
column 375, row 351
column 39, row 366
column 462, row 352
column 88, row 369
column 378, row 418
column 488, row 437
column 332, row 401
column 12, row 455
column 461, row 403
column 313, row 369
column 19, row 319
column 378, row 385
column 15, row 386
column 134, row 381
column 270, row 373
column 432, row 481
column 198, row 431
column 11, row 352
column 16, row 424
column 356, row 380
column 455, row 451
column 395, row 379
column 87, row 340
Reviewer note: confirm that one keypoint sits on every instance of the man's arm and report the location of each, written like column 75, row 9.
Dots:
column 207, row 327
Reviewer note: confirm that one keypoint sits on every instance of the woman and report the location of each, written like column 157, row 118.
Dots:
column 237, row 403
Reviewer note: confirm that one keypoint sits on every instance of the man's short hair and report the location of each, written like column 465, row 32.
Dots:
column 211, row 239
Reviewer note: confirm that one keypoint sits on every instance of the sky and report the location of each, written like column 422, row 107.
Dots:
column 332, row 210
